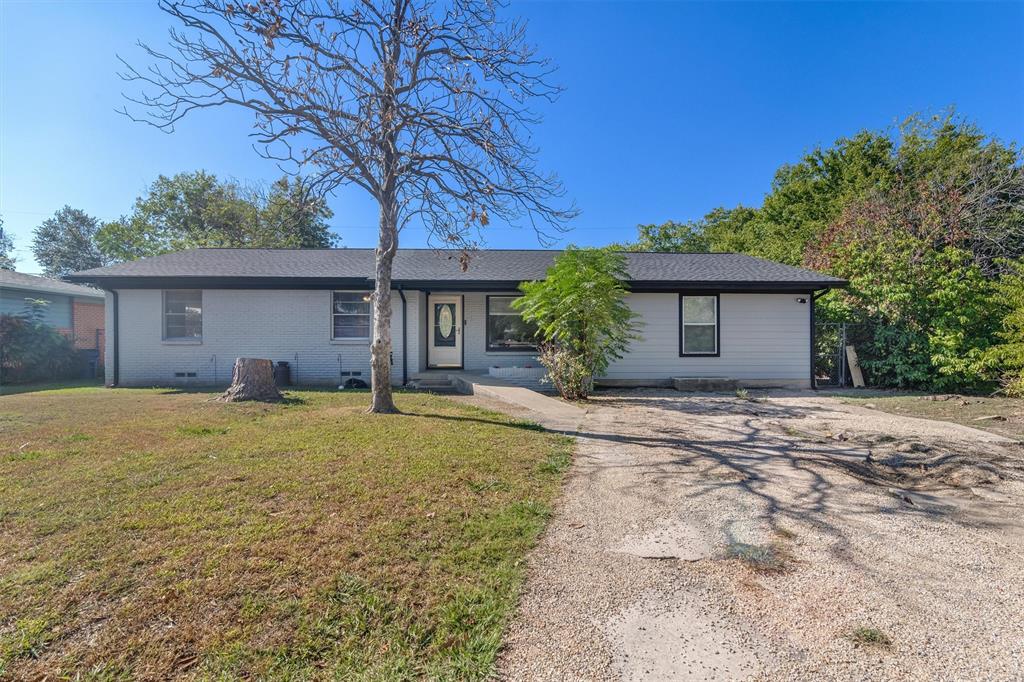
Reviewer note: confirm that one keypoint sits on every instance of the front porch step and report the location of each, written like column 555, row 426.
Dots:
column 705, row 384
column 433, row 384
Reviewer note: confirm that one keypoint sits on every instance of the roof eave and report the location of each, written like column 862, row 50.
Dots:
column 228, row 282
column 54, row 291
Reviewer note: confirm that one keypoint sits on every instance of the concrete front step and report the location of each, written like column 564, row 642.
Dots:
column 433, row 384
column 439, row 390
column 702, row 384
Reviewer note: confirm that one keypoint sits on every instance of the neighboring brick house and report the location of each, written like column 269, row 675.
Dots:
column 75, row 311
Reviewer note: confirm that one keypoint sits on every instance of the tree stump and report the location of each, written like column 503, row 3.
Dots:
column 252, row 379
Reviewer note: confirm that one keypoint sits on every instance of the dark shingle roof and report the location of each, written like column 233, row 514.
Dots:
column 19, row 280
column 437, row 266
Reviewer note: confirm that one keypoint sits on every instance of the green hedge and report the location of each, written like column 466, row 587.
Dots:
column 31, row 351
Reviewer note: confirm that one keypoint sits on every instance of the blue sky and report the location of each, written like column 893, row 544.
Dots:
column 671, row 108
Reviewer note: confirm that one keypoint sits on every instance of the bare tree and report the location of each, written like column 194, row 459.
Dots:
column 422, row 103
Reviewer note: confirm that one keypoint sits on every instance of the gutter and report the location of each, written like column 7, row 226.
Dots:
column 405, row 342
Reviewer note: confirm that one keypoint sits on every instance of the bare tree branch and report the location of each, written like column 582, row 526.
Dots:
column 422, row 103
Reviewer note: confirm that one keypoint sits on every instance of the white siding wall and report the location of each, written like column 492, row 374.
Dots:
column 56, row 314
column 764, row 338
column 290, row 325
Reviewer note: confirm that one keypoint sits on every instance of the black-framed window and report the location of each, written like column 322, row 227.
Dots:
column 507, row 331
column 350, row 315
column 698, row 324
column 183, row 314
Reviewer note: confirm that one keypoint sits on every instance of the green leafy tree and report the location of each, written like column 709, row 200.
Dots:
column 671, row 236
column 7, row 259
column 184, row 211
column 722, row 230
column 66, row 243
column 975, row 172
column 806, row 197
column 581, row 316
column 191, row 210
column 925, row 298
column 291, row 216
column 1007, row 356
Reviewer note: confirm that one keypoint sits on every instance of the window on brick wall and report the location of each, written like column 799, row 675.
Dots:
column 183, row 314
column 350, row 315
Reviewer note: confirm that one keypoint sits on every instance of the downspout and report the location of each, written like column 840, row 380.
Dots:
column 405, row 339
column 113, row 295
column 74, row 340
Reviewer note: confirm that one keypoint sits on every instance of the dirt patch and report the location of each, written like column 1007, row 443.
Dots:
column 911, row 463
column 999, row 415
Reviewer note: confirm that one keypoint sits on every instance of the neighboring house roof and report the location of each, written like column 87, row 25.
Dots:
column 423, row 267
column 19, row 280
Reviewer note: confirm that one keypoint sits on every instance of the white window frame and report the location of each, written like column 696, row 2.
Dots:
column 163, row 318
column 683, row 324
column 350, row 339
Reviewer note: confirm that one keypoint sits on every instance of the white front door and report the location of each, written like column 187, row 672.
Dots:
column 444, row 334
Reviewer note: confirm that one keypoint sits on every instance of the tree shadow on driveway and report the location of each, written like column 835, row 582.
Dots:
column 736, row 452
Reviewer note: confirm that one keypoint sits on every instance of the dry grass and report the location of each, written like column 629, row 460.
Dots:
column 150, row 534
column 959, row 409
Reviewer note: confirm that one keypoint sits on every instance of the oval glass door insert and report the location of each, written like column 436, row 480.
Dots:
column 444, row 324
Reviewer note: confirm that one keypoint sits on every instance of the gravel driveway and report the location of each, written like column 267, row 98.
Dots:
column 709, row 537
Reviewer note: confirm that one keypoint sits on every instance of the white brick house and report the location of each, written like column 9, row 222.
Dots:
column 183, row 318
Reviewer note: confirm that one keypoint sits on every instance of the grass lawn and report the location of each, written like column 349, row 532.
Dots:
column 960, row 409
column 149, row 534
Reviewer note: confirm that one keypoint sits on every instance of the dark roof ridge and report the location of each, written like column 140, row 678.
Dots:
column 440, row 265
column 428, row 248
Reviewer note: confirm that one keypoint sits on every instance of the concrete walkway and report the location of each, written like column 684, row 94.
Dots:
column 551, row 413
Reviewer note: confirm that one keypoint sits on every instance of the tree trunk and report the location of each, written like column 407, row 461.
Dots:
column 387, row 239
column 380, row 350
column 252, row 379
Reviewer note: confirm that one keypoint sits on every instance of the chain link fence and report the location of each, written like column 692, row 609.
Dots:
column 831, row 368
